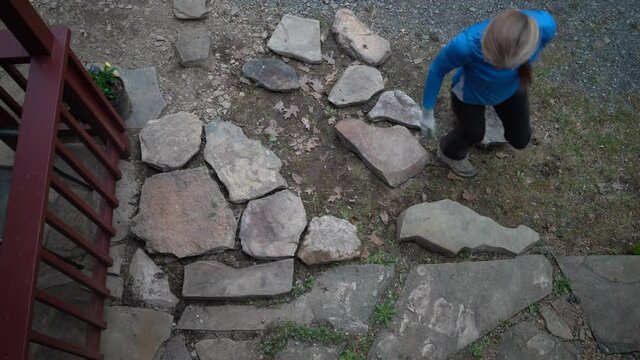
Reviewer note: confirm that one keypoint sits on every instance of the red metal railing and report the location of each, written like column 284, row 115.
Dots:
column 59, row 99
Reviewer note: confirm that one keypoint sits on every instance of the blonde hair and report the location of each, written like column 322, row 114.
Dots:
column 510, row 39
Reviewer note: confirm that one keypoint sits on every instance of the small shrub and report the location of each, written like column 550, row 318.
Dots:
column 561, row 285
column 635, row 249
column 105, row 78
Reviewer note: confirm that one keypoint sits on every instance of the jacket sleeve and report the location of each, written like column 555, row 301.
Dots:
column 455, row 54
column 548, row 28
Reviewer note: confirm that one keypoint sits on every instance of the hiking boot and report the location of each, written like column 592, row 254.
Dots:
column 459, row 167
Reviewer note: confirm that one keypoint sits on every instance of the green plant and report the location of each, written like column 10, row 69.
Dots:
column 505, row 325
column 635, row 249
column 477, row 348
column 561, row 285
column 350, row 355
column 383, row 258
column 278, row 337
column 385, row 311
column 534, row 308
column 330, row 112
column 105, row 78
column 302, row 287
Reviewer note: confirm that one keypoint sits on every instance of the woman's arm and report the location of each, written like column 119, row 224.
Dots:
column 454, row 55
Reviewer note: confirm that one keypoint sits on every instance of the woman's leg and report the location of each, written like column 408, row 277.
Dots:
column 468, row 132
column 514, row 114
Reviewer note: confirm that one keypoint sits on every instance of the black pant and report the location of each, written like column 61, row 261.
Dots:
column 513, row 112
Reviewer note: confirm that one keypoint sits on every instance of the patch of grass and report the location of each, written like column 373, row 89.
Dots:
column 635, row 249
column 561, row 285
column 330, row 112
column 464, row 254
column 383, row 258
column 385, row 311
column 302, row 287
column 350, row 355
column 534, row 308
column 505, row 325
column 278, row 337
column 477, row 348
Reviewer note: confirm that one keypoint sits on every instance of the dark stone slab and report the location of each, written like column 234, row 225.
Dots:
column 272, row 74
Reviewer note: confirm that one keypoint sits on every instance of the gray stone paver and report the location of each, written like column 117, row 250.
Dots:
column 184, row 213
column 298, row 38
column 447, row 227
column 171, row 141
column 358, row 84
column 146, row 99
column 246, row 168
column 214, row 280
column 133, row 333
column 608, row 288
column 392, row 154
column 445, row 307
column 343, row 296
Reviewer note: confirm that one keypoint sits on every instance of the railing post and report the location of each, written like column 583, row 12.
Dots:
column 27, row 26
column 28, row 197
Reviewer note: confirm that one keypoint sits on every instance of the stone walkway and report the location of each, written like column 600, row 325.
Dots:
column 186, row 209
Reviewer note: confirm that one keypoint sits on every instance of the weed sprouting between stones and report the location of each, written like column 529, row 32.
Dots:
column 561, row 285
column 277, row 339
column 534, row 308
column 350, row 355
column 477, row 348
column 383, row 258
column 385, row 311
column 302, row 287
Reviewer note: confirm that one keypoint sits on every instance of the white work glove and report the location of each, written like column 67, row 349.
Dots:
column 427, row 124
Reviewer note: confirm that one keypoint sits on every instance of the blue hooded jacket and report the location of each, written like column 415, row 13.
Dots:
column 476, row 81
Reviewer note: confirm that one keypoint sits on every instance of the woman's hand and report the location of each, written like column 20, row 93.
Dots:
column 427, row 124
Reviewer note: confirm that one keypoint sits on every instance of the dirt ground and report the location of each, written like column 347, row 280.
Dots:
column 578, row 185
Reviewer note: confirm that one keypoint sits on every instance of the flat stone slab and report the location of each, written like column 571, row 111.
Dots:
column 397, row 107
column 494, row 130
column 272, row 74
column 184, row 213
column 555, row 324
column 127, row 190
column 296, row 350
column 246, row 168
column 216, row 349
column 358, row 40
column 297, row 38
column 149, row 283
column 393, row 154
column 445, row 307
column 343, row 296
column 357, row 84
column 115, row 284
column 525, row 342
column 447, row 227
column 271, row 227
column 329, row 239
column 117, row 253
column 176, row 350
column 134, row 334
column 190, row 9
column 608, row 288
column 146, row 99
column 168, row 143
column 193, row 45
column 213, row 280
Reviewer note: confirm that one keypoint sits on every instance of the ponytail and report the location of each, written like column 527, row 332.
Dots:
column 525, row 75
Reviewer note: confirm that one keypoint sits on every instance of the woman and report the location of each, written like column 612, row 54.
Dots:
column 494, row 60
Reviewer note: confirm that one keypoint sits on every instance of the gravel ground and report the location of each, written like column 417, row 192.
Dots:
column 578, row 187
